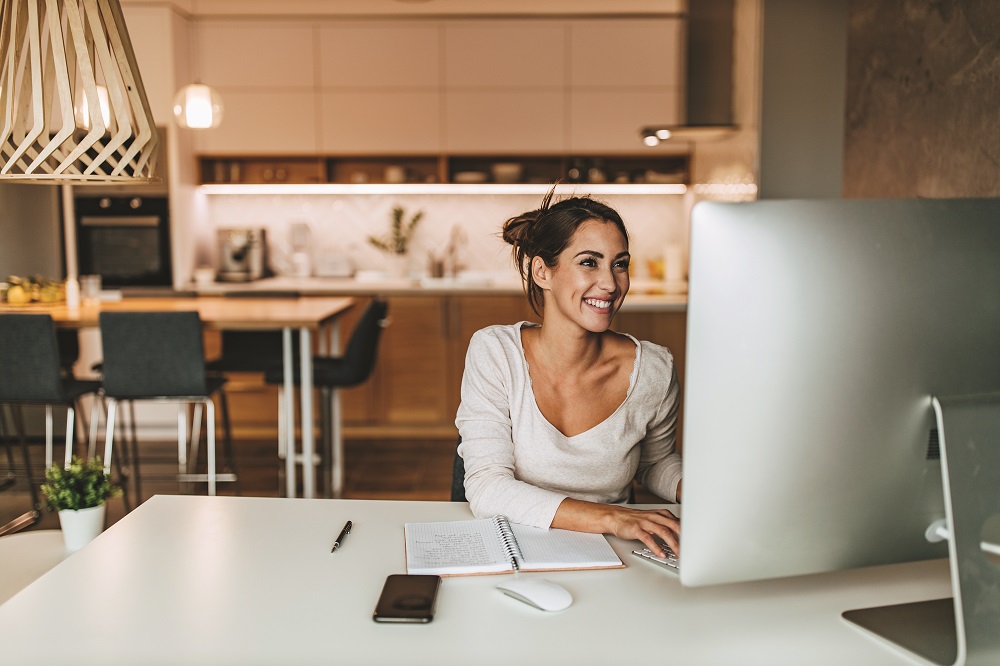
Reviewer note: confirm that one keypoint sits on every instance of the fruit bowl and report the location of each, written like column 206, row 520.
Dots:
column 34, row 289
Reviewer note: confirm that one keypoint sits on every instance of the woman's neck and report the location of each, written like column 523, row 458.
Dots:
column 567, row 346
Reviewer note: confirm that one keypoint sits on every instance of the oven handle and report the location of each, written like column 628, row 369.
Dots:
column 121, row 221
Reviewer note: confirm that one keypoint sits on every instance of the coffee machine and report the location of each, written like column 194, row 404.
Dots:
column 241, row 254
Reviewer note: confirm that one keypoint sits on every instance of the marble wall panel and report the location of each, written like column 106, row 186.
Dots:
column 923, row 99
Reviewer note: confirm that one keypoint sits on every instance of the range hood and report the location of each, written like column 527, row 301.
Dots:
column 709, row 99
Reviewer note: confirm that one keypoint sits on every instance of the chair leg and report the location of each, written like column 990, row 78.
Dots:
column 195, row 436
column 337, row 440
column 95, row 416
column 136, row 473
column 227, row 439
column 34, row 514
column 109, row 433
column 80, row 432
column 48, row 436
column 70, row 434
column 282, row 444
column 210, row 430
column 182, row 445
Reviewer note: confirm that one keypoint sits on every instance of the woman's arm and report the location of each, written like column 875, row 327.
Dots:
column 659, row 463
column 484, row 421
column 621, row 521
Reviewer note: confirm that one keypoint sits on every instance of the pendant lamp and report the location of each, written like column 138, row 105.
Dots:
column 197, row 106
column 72, row 105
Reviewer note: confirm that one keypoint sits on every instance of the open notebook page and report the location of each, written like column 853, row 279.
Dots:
column 465, row 546
column 562, row 549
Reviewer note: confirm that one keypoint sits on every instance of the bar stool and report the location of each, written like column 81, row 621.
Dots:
column 160, row 356
column 330, row 373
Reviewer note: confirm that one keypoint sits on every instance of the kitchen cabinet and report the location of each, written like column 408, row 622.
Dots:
column 380, row 121
column 432, row 85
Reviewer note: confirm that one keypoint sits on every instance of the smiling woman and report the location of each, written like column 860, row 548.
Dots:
column 558, row 419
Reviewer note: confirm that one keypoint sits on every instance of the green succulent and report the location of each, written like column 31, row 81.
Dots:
column 82, row 485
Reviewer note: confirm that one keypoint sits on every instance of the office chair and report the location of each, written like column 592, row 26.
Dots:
column 458, row 476
column 160, row 356
column 330, row 373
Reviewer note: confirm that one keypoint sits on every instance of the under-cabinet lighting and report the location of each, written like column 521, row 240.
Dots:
column 446, row 188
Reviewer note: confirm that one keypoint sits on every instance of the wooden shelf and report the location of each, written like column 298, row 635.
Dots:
column 405, row 170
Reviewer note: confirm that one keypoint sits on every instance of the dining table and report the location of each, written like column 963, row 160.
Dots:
column 304, row 314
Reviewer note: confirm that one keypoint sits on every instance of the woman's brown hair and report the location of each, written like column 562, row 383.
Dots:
column 546, row 231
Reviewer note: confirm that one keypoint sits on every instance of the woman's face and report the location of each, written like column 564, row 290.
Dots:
column 590, row 279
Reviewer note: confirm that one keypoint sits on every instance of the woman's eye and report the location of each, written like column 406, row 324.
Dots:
column 588, row 262
column 623, row 265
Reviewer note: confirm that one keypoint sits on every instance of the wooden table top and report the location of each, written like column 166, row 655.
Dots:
column 215, row 312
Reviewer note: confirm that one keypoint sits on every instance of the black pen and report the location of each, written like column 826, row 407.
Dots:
column 343, row 535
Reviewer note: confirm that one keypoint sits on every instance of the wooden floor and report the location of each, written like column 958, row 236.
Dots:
column 393, row 469
column 374, row 469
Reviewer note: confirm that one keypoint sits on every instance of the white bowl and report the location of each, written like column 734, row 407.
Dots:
column 507, row 172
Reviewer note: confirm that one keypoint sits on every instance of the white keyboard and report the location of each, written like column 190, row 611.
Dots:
column 670, row 561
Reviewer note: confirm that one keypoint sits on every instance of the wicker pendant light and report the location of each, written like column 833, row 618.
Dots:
column 72, row 104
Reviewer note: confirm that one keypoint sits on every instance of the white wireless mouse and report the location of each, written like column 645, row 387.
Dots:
column 538, row 592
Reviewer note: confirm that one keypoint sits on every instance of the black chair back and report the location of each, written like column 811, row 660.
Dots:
column 362, row 348
column 153, row 354
column 458, row 476
column 29, row 359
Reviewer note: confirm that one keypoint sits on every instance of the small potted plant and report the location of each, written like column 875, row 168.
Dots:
column 79, row 493
column 397, row 242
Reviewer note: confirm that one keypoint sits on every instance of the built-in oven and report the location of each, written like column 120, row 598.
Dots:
column 124, row 239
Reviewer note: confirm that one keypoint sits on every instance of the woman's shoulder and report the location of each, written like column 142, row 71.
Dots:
column 652, row 354
column 499, row 337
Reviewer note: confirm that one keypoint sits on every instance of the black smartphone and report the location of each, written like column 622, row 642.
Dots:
column 407, row 598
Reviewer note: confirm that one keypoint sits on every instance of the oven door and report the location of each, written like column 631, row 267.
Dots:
column 125, row 240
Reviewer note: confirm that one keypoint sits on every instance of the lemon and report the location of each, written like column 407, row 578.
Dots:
column 16, row 295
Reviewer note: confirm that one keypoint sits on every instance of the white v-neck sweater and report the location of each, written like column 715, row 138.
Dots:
column 520, row 465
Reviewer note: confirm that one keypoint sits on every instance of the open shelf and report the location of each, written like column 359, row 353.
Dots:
column 432, row 172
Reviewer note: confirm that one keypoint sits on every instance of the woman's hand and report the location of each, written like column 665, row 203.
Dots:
column 621, row 521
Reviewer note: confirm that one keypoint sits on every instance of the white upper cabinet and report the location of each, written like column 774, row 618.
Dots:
column 272, row 122
column 627, row 52
column 256, row 54
column 517, row 121
column 380, row 55
column 624, row 74
column 538, row 85
column 499, row 53
column 383, row 121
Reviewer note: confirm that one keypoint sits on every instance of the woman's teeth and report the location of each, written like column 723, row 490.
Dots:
column 596, row 303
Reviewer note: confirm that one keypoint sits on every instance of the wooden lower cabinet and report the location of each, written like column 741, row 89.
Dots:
column 415, row 389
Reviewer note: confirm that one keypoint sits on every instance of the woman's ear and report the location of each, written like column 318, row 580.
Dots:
column 540, row 272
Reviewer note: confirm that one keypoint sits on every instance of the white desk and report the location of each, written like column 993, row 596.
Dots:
column 191, row 580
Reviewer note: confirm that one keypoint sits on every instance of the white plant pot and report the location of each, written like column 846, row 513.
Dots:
column 81, row 527
column 397, row 265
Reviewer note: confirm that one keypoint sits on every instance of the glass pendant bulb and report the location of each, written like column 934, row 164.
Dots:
column 198, row 106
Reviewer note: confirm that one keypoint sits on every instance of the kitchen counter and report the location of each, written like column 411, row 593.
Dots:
column 644, row 295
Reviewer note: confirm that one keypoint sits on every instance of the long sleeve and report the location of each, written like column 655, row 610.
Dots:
column 484, row 422
column 659, row 463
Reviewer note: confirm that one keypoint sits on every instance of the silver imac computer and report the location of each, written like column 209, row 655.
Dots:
column 818, row 332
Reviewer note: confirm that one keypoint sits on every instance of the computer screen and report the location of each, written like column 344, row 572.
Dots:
column 817, row 333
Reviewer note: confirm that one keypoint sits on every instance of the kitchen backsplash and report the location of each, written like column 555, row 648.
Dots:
column 341, row 224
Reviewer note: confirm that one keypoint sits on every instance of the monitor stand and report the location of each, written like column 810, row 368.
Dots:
column 963, row 630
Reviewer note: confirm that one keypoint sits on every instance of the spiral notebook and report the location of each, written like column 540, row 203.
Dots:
column 496, row 545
